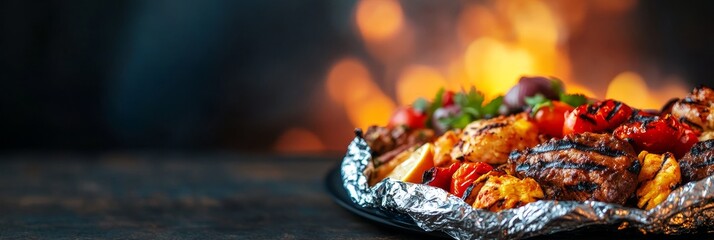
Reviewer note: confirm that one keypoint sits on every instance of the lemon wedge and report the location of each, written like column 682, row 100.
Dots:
column 413, row 168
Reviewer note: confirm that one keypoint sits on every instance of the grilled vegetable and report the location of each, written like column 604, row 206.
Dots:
column 530, row 86
column 496, row 191
column 660, row 174
column 598, row 117
column 492, row 140
column 550, row 118
column 657, row 134
column 409, row 117
column 441, row 176
column 465, row 175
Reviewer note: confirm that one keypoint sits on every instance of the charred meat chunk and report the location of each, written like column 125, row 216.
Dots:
column 698, row 163
column 586, row 166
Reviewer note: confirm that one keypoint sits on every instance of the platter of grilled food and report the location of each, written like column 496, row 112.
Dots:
column 537, row 161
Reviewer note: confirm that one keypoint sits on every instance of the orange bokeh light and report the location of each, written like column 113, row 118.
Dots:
column 494, row 67
column 418, row 81
column 479, row 21
column 349, row 83
column 631, row 88
column 348, row 80
column 379, row 20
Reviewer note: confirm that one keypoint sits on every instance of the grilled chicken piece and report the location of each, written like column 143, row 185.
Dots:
column 496, row 191
column 443, row 147
column 491, row 140
column 659, row 176
column 586, row 166
column 696, row 109
column 698, row 163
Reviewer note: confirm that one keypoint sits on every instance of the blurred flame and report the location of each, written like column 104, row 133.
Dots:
column 477, row 21
column 494, row 67
column 298, row 140
column 348, row 81
column 350, row 84
column 379, row 19
column 631, row 88
column 497, row 42
column 418, row 81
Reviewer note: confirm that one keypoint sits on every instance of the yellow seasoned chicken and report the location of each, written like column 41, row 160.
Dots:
column 660, row 174
column 491, row 140
column 496, row 191
column 443, row 147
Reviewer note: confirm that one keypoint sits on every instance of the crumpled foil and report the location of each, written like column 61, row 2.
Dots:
column 688, row 209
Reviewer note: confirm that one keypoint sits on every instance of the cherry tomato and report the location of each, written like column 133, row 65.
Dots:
column 447, row 99
column 657, row 134
column 550, row 119
column 440, row 176
column 466, row 175
column 408, row 117
column 597, row 117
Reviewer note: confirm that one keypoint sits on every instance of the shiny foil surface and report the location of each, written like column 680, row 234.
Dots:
column 688, row 209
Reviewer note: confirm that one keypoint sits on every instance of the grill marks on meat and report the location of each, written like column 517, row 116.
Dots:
column 564, row 144
column 699, row 162
column 696, row 109
column 581, row 167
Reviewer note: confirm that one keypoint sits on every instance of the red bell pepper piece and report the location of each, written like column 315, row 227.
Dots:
column 440, row 176
column 467, row 174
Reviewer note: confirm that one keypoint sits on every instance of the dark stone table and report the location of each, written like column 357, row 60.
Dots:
column 175, row 196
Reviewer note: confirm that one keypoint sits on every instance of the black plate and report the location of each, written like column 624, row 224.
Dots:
column 333, row 183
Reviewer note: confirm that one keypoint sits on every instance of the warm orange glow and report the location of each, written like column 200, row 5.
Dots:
column 379, row 19
column 673, row 88
column 574, row 88
column 478, row 21
column 298, row 140
column 348, row 78
column 418, row 81
column 615, row 6
column 630, row 88
column 349, row 83
column 537, row 31
column 374, row 110
column 533, row 23
column 494, row 67
column 456, row 76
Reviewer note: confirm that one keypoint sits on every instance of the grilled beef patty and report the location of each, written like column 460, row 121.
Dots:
column 581, row 167
column 698, row 163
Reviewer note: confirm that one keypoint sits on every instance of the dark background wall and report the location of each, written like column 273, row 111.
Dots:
column 97, row 75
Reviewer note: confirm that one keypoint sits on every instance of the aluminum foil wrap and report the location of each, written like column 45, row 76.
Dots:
column 688, row 209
